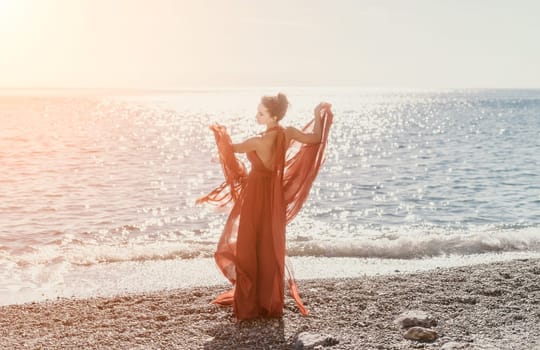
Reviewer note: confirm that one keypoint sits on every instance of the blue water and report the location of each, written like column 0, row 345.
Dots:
column 90, row 178
column 451, row 160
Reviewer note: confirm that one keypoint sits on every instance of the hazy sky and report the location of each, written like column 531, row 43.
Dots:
column 181, row 43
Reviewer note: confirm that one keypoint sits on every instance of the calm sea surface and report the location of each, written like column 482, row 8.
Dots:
column 90, row 178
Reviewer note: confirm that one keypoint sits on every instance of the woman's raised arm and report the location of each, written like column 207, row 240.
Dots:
column 312, row 137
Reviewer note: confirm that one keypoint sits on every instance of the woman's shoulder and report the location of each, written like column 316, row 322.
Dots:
column 289, row 129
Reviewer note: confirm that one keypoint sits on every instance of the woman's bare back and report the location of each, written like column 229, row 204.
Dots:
column 266, row 150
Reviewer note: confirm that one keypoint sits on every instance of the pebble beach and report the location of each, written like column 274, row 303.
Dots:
column 484, row 306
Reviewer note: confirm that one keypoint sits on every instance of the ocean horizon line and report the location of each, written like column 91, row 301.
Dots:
column 203, row 88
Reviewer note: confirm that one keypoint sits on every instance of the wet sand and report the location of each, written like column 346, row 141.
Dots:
column 486, row 306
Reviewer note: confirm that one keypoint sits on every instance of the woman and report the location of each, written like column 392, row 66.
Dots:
column 251, row 250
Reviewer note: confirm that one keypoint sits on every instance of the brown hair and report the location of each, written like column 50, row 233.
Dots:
column 276, row 105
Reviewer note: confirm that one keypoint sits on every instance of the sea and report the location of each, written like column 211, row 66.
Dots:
column 98, row 187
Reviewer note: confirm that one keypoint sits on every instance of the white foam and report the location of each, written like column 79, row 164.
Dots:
column 399, row 244
column 96, row 268
column 411, row 244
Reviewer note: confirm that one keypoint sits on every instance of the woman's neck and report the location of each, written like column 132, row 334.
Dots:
column 271, row 126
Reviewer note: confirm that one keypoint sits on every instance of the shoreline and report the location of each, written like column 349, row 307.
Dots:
column 128, row 277
column 487, row 306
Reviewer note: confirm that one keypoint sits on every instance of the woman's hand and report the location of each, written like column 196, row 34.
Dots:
column 320, row 107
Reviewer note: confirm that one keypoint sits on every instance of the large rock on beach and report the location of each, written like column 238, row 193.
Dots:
column 420, row 333
column 308, row 340
column 413, row 318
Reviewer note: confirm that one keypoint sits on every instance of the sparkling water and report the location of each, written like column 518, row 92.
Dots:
column 96, row 178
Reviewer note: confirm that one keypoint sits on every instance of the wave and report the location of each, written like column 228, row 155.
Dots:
column 413, row 246
column 403, row 244
column 86, row 255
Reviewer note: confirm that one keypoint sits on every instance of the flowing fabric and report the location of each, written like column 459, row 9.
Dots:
column 251, row 251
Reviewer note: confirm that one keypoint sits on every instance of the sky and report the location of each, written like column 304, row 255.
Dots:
column 168, row 44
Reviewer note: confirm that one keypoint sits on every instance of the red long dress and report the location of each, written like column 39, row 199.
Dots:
column 251, row 250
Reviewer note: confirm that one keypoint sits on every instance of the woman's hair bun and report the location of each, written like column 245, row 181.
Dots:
column 276, row 105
